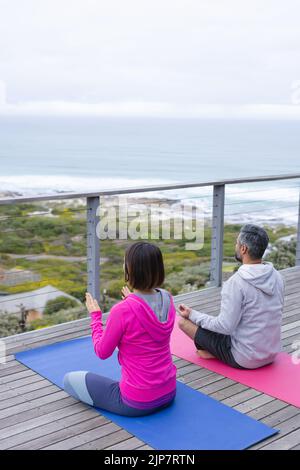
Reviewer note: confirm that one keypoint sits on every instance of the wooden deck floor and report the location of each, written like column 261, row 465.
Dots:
column 35, row 414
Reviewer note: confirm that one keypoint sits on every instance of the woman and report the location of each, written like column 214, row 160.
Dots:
column 140, row 327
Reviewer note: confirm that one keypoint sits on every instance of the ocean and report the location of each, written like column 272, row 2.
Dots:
column 50, row 154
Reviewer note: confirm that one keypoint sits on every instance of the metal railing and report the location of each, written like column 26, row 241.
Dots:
column 217, row 233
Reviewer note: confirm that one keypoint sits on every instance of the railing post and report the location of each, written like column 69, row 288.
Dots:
column 217, row 235
column 93, row 248
column 298, row 237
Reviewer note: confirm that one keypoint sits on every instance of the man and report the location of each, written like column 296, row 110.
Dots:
column 246, row 333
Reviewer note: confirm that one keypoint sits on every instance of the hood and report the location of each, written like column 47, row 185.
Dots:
column 262, row 276
column 159, row 332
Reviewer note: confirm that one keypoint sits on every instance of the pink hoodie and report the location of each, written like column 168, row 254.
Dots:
column 147, row 370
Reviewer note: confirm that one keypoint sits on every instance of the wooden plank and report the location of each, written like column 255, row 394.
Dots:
column 195, row 376
column 185, row 370
column 289, row 436
column 39, row 421
column 289, row 333
column 36, row 411
column 20, row 399
column 280, row 416
column 12, row 349
column 90, row 433
column 6, row 371
column 7, row 364
column 216, row 385
column 9, row 393
column 228, row 391
column 291, row 318
column 297, row 447
column 32, row 404
column 20, row 382
column 241, row 398
column 53, row 426
column 253, row 403
column 128, row 444
column 197, row 383
column 50, row 332
column 61, row 439
column 275, row 419
column 48, row 418
column 18, row 375
column 268, row 410
column 103, row 442
column 290, row 340
column 290, row 326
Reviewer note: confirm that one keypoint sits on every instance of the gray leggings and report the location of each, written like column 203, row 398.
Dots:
column 101, row 392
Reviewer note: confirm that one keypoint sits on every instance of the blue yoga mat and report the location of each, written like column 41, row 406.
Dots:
column 194, row 421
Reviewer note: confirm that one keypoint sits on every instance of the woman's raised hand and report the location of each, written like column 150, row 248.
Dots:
column 91, row 303
column 125, row 292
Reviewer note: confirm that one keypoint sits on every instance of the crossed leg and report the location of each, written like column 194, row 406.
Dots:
column 189, row 328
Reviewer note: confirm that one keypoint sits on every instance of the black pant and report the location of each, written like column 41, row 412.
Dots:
column 217, row 344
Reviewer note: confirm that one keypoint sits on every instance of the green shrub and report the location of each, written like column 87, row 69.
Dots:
column 284, row 255
column 188, row 279
column 55, row 318
column 60, row 303
column 114, row 288
column 9, row 324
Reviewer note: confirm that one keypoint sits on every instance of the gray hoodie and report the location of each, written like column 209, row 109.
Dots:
column 251, row 312
column 159, row 302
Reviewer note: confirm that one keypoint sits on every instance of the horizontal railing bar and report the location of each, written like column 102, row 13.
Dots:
column 145, row 189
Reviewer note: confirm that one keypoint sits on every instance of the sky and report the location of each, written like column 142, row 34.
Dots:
column 150, row 57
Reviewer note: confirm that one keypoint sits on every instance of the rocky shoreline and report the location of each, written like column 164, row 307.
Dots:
column 8, row 194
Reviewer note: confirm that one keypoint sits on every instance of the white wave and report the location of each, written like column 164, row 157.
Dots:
column 263, row 192
column 31, row 185
column 272, row 217
column 268, row 203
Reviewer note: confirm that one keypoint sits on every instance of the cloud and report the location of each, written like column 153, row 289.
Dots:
column 96, row 56
column 152, row 109
column 2, row 94
column 91, row 109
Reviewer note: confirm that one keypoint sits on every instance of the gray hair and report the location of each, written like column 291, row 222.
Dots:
column 255, row 238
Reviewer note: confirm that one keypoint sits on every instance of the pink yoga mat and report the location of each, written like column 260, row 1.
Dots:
column 279, row 380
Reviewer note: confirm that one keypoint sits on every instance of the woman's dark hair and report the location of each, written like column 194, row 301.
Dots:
column 144, row 266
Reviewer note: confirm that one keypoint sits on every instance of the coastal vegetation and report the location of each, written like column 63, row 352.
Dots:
column 49, row 240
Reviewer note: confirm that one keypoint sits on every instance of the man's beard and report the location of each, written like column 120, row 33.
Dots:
column 238, row 257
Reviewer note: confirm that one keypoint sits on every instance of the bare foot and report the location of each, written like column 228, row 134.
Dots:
column 205, row 354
